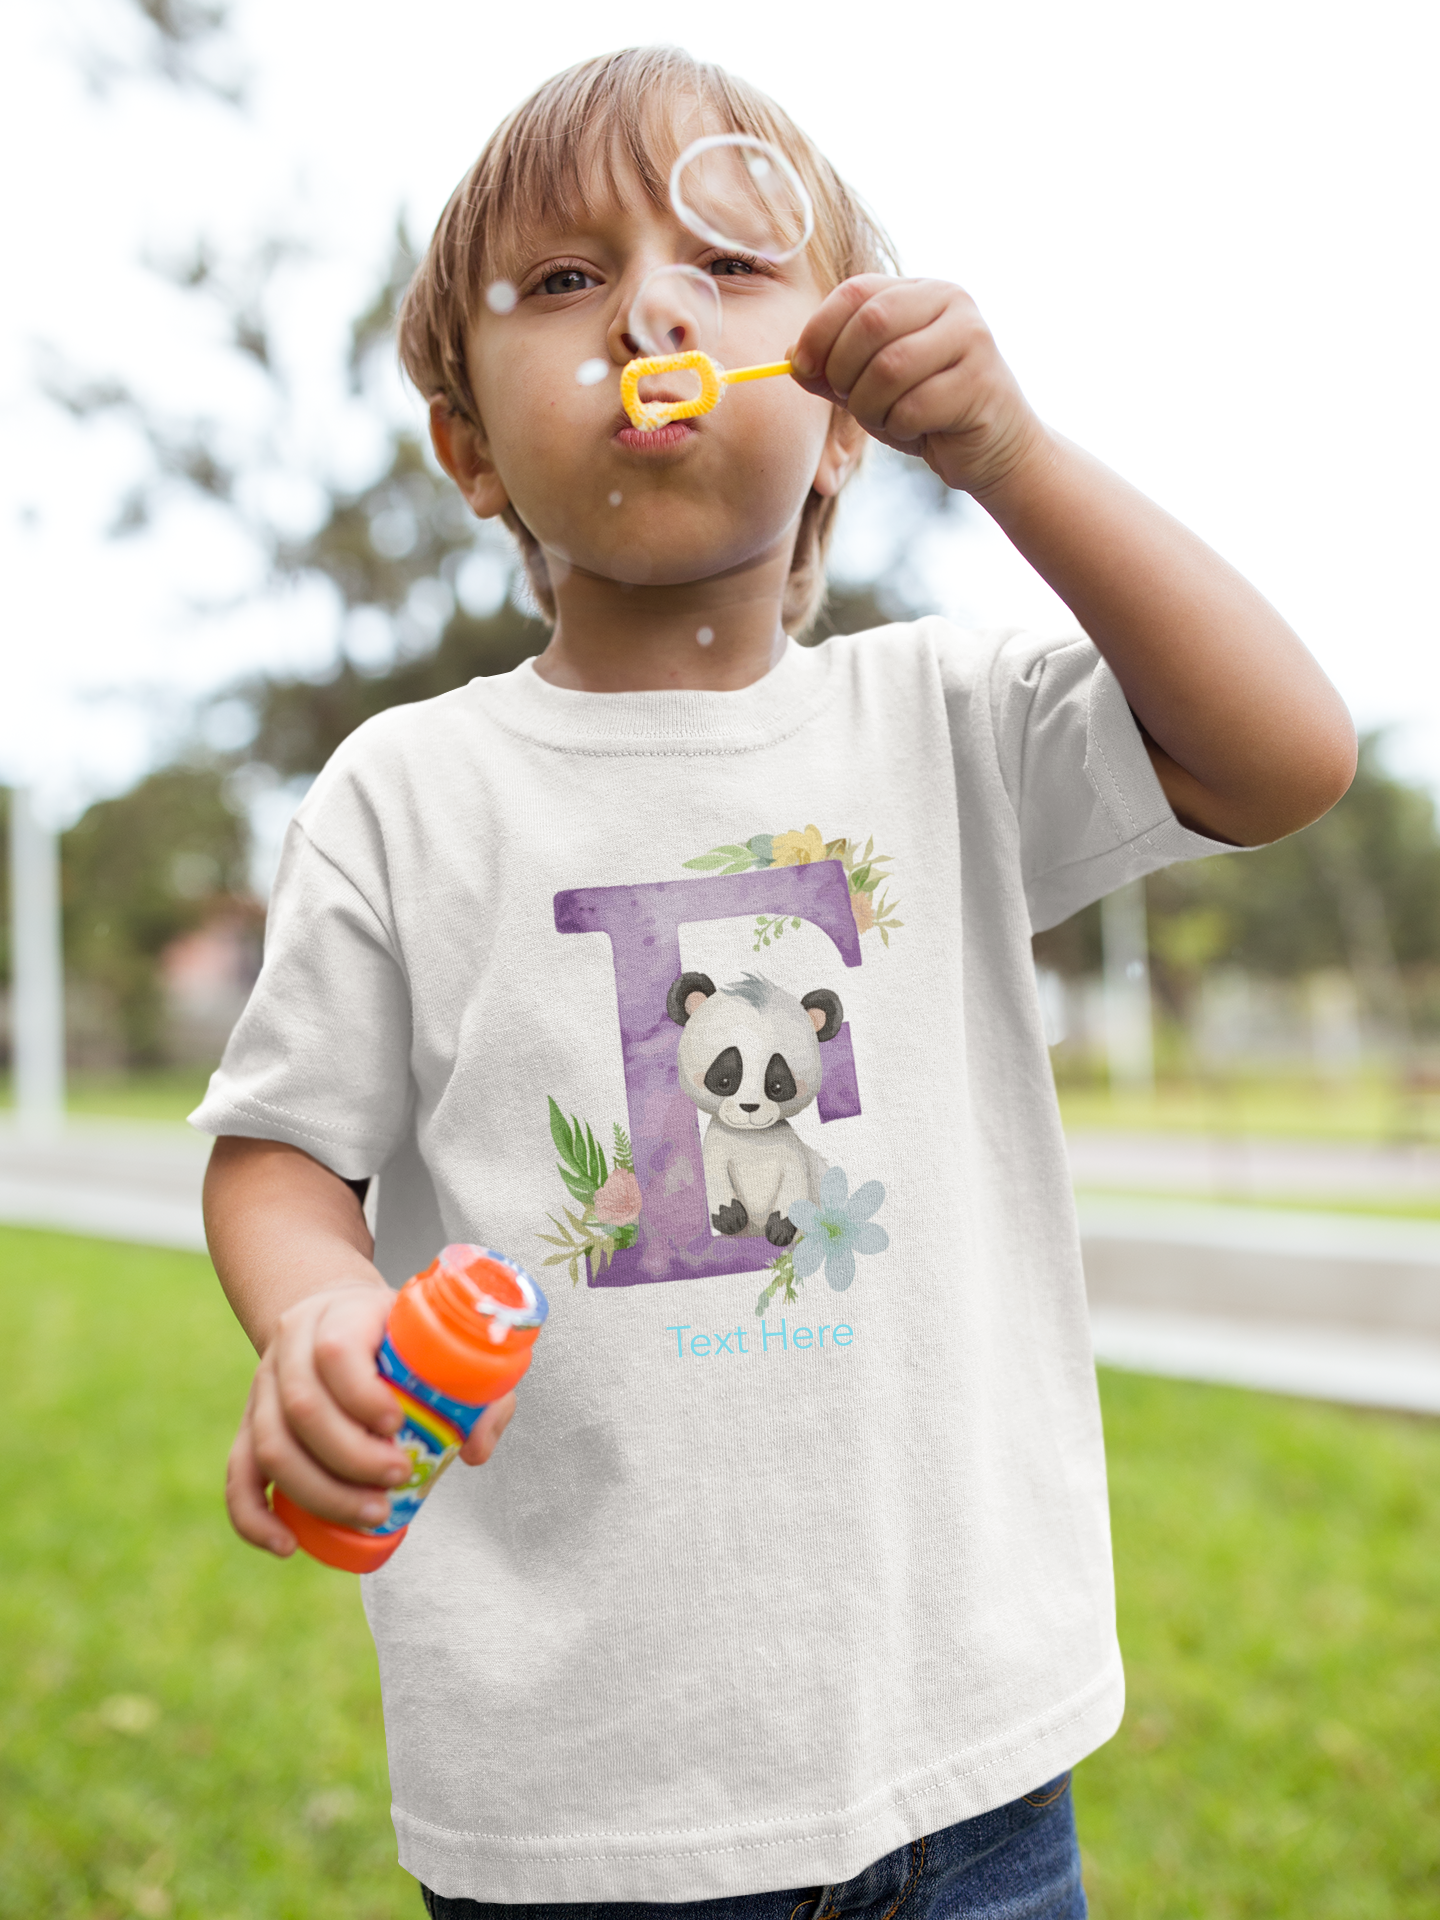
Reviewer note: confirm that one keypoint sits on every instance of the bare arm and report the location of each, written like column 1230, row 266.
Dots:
column 292, row 1250
column 1248, row 737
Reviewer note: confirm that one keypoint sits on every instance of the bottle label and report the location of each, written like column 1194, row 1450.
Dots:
column 432, row 1433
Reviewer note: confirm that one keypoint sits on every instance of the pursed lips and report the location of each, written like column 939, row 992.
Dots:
column 667, row 396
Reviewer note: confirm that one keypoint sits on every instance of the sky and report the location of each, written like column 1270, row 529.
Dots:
column 1204, row 239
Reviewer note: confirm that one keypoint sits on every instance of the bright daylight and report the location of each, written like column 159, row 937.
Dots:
column 720, row 962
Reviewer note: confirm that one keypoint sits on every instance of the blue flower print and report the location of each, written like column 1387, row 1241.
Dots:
column 838, row 1229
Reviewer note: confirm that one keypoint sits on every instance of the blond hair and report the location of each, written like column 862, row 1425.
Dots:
column 619, row 110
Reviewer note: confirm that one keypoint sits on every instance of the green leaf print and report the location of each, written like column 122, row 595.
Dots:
column 722, row 860
column 582, row 1161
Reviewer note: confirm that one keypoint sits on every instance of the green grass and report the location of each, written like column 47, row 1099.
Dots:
column 190, row 1730
column 162, row 1093
column 1385, row 1207
column 1279, row 1593
column 1299, row 1109
column 186, row 1728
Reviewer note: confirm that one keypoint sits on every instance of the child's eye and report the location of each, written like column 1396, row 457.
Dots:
column 731, row 264
column 568, row 280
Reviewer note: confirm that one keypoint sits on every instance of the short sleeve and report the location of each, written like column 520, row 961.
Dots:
column 320, row 1056
column 1091, row 811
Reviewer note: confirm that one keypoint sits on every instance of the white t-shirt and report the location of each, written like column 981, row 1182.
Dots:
column 754, row 1591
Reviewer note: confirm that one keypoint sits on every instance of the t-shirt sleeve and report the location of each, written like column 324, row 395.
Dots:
column 1091, row 810
column 321, row 1055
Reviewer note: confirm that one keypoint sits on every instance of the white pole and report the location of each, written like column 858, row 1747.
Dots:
column 1129, row 1041
column 37, row 998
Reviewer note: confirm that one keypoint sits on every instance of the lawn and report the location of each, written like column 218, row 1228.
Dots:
column 187, row 1729
column 1295, row 1108
column 158, row 1093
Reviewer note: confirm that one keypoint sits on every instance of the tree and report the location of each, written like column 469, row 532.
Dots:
column 136, row 873
column 1358, row 889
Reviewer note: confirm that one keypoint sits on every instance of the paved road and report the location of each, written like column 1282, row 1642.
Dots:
column 1217, row 1167
column 1334, row 1306
column 118, row 1180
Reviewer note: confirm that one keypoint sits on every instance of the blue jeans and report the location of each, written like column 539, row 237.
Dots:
column 1019, row 1862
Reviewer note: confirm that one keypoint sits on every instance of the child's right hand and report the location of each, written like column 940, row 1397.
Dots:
column 318, row 1418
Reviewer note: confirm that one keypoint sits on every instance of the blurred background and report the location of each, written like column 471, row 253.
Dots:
column 1206, row 244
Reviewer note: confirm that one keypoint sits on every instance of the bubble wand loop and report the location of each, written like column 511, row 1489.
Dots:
column 740, row 194
column 647, row 415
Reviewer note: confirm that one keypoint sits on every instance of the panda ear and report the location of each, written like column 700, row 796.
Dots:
column 825, row 1011
column 683, row 991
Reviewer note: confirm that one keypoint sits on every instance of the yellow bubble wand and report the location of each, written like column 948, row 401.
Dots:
column 646, row 415
column 773, row 179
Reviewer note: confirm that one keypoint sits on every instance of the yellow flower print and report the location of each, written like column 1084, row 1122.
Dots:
column 867, row 872
column 797, row 849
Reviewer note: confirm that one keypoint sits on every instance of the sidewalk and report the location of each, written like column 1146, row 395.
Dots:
column 1327, row 1305
column 1222, row 1167
column 115, row 1179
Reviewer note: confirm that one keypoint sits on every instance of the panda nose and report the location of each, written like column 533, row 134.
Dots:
column 749, row 1106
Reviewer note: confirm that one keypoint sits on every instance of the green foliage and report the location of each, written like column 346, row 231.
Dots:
column 726, row 860
column 1278, row 1588
column 582, row 1159
column 407, row 527
column 1359, row 889
column 187, row 1727
column 580, row 1236
column 782, row 1281
column 136, row 873
column 768, row 928
column 580, row 1239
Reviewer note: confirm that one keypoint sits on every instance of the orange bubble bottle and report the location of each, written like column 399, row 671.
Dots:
column 457, row 1338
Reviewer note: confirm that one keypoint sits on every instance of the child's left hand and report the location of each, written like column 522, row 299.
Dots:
column 915, row 364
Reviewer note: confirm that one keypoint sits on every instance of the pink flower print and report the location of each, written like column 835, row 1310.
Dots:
column 617, row 1203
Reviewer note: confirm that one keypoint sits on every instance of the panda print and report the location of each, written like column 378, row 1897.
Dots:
column 750, row 1057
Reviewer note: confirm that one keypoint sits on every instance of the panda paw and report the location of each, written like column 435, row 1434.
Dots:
column 779, row 1231
column 732, row 1218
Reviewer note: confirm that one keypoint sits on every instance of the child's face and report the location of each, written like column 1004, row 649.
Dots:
column 700, row 499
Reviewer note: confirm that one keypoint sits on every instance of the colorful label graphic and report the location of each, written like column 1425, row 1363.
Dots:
column 433, row 1432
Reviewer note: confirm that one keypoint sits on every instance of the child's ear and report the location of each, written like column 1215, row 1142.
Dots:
column 837, row 456
column 462, row 450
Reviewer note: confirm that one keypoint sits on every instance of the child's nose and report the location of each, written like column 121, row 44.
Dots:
column 678, row 339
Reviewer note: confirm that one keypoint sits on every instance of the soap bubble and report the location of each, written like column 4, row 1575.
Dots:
column 501, row 297
column 590, row 372
column 736, row 191
column 616, row 498
column 705, row 635
column 677, row 310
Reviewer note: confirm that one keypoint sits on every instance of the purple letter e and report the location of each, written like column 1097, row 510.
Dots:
column 674, row 1240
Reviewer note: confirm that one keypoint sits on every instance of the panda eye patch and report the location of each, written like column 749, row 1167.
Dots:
column 725, row 1072
column 779, row 1081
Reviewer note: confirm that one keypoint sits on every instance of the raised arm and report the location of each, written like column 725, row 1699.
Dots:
column 1249, row 739
column 292, row 1250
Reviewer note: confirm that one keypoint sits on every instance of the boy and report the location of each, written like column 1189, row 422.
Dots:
column 799, row 1606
